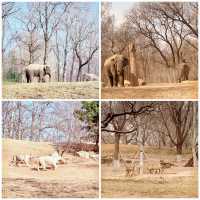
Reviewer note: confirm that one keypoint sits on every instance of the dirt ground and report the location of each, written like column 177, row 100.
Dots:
column 177, row 181
column 186, row 90
column 77, row 178
column 58, row 90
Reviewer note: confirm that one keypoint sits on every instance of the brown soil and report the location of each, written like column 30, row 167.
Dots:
column 77, row 178
column 177, row 181
column 186, row 90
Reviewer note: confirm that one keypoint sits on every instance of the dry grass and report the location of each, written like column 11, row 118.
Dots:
column 59, row 90
column 77, row 178
column 131, row 150
column 186, row 90
column 148, row 188
column 177, row 181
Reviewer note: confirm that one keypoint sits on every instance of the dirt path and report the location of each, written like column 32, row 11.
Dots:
column 58, row 90
column 187, row 90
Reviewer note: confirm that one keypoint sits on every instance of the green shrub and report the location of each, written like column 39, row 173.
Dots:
column 13, row 76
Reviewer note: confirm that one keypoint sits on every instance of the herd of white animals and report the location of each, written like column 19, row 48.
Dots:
column 48, row 161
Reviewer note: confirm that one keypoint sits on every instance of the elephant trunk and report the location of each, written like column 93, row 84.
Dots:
column 49, row 76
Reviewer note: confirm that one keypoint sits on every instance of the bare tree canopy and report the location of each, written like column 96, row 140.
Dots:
column 44, row 121
column 163, row 33
column 149, row 123
column 63, row 35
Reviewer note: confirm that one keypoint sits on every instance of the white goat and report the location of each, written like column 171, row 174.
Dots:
column 21, row 159
column 127, row 83
column 50, row 160
column 59, row 158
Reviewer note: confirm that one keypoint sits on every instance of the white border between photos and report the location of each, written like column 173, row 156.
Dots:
column 100, row 100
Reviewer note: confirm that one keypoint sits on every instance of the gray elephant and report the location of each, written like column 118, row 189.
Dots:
column 114, row 69
column 36, row 70
column 184, row 70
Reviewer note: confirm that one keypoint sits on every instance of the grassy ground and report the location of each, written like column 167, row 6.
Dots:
column 177, row 181
column 58, row 90
column 186, row 90
column 169, row 188
column 77, row 178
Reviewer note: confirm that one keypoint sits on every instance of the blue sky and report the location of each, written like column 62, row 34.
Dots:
column 15, row 25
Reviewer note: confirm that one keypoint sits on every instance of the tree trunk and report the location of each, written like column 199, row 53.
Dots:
column 64, row 71
column 179, row 149
column 45, row 52
column 78, row 74
column 65, row 56
column 72, row 68
column 195, row 138
column 116, row 163
column 58, row 72
column 125, row 139
column 179, row 134
column 133, row 68
column 141, row 159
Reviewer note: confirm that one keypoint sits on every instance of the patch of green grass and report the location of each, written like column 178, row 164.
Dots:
column 5, row 82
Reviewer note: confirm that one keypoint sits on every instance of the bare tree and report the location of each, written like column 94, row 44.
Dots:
column 57, row 54
column 160, row 30
column 82, row 63
column 8, row 9
column 49, row 21
column 117, row 116
column 42, row 121
column 181, row 118
column 81, row 39
column 195, row 136
column 29, row 37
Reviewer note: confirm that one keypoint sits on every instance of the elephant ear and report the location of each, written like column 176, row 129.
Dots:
column 126, row 62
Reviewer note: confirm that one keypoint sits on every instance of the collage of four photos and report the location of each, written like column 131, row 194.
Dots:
column 99, row 99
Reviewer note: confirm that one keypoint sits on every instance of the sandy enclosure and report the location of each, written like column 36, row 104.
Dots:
column 77, row 178
column 177, row 181
column 187, row 90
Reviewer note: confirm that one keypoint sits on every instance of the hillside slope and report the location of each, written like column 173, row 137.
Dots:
column 59, row 90
column 77, row 178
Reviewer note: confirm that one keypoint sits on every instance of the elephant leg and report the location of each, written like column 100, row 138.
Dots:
column 115, row 80
column 27, row 79
column 186, row 75
column 27, row 75
column 114, row 75
column 121, row 80
column 40, row 77
column 110, row 79
column 31, row 78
